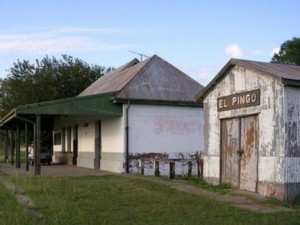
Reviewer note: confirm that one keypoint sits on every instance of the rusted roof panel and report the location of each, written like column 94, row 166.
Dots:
column 153, row 79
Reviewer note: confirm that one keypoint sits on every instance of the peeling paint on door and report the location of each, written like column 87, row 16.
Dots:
column 249, row 161
column 230, row 147
column 239, row 152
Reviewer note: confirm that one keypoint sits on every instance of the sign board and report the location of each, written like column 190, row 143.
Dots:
column 239, row 100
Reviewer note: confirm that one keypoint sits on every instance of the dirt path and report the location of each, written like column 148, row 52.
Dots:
column 237, row 198
column 240, row 199
column 21, row 197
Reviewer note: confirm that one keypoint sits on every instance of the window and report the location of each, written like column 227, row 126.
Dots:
column 57, row 138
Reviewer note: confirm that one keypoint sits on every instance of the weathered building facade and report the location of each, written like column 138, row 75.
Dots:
column 159, row 122
column 252, row 124
column 139, row 117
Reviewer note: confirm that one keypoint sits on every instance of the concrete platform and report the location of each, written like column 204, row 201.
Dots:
column 51, row 170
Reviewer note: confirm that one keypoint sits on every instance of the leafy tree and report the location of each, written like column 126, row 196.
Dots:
column 289, row 53
column 46, row 79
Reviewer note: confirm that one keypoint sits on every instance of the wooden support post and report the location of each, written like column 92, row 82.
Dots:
column 26, row 146
column 156, row 168
column 172, row 170
column 18, row 158
column 141, row 167
column 201, row 167
column 37, row 145
column 12, row 147
column 190, row 166
column 6, row 144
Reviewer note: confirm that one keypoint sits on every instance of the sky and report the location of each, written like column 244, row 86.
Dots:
column 197, row 36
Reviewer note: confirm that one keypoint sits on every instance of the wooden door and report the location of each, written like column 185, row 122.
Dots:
column 249, row 156
column 230, row 132
column 239, row 155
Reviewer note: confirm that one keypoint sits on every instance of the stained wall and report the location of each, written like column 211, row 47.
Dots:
column 271, row 125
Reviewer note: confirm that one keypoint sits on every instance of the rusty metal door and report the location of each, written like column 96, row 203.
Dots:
column 249, row 156
column 230, row 131
column 239, row 152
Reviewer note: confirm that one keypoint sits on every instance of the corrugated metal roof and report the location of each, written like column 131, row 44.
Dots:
column 281, row 71
column 153, row 79
column 112, row 81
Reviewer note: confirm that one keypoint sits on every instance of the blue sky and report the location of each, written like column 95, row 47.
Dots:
column 196, row 36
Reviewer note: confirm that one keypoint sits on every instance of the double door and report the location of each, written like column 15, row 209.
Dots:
column 239, row 152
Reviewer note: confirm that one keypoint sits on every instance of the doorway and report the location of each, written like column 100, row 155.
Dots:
column 239, row 152
column 75, row 144
column 98, row 145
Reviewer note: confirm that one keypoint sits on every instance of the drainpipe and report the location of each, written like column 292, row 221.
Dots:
column 127, row 139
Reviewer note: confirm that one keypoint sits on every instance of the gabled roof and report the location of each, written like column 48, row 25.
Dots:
column 151, row 80
column 288, row 74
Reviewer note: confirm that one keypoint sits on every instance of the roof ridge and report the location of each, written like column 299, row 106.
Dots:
column 236, row 60
column 181, row 72
column 137, row 73
column 168, row 89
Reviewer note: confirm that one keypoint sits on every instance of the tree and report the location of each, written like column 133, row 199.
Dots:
column 289, row 52
column 46, row 79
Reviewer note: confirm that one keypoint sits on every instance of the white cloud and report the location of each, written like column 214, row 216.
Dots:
column 257, row 52
column 204, row 75
column 59, row 40
column 234, row 51
column 275, row 51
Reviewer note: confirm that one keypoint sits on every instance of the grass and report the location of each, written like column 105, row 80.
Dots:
column 227, row 188
column 199, row 182
column 11, row 213
column 122, row 200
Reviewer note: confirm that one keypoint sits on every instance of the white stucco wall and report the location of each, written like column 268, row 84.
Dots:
column 165, row 133
column 172, row 130
column 86, row 131
column 113, row 144
column 165, row 129
column 112, row 139
column 86, row 137
column 270, row 116
column 113, row 134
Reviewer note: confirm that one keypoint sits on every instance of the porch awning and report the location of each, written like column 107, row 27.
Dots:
column 93, row 105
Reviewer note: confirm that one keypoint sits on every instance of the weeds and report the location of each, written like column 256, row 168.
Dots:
column 296, row 202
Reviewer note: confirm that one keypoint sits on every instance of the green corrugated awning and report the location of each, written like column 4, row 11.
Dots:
column 86, row 105
column 93, row 105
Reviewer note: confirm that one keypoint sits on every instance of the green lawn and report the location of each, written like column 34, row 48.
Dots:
column 10, row 211
column 122, row 200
